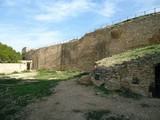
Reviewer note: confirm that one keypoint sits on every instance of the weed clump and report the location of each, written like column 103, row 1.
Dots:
column 102, row 89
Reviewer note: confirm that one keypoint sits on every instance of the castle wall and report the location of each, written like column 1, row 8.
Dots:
column 82, row 54
column 47, row 58
column 69, row 56
column 27, row 55
column 116, row 39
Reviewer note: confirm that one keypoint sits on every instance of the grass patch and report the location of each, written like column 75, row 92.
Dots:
column 16, row 94
column 26, row 71
column 139, row 52
column 1, row 74
column 61, row 75
column 9, row 81
column 15, row 72
column 129, row 94
column 131, row 54
column 102, row 89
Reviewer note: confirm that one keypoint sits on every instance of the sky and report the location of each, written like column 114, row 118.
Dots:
column 40, row 23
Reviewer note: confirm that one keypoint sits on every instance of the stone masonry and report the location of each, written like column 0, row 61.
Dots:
column 137, row 75
column 82, row 54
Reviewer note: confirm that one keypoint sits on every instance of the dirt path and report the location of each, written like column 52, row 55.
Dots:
column 73, row 101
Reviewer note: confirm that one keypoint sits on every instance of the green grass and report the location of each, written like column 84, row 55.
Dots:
column 15, row 72
column 139, row 52
column 1, row 74
column 61, row 75
column 131, row 54
column 26, row 71
column 16, row 94
column 102, row 89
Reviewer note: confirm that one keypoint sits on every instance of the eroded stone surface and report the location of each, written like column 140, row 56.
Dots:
column 136, row 75
column 85, row 80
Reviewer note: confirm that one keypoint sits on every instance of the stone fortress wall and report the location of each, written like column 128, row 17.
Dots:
column 83, row 53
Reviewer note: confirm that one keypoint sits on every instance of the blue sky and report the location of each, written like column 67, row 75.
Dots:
column 37, row 23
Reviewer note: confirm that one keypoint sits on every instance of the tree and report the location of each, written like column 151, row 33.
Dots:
column 8, row 54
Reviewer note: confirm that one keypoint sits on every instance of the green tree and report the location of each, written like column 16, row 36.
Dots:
column 8, row 54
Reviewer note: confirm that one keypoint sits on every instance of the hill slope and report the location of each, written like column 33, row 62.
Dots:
column 131, row 54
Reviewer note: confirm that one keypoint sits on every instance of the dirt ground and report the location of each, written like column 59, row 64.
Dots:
column 29, row 75
column 73, row 101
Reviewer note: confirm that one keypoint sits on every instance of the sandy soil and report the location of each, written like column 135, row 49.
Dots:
column 72, row 101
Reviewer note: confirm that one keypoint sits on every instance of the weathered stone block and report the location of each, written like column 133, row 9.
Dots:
column 97, row 82
column 137, row 89
column 85, row 80
column 125, row 84
column 112, row 85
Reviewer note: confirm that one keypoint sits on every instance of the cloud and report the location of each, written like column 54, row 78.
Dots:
column 21, row 33
column 35, row 38
column 107, row 9
column 61, row 10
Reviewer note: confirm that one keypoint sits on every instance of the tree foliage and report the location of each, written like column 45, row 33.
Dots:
column 8, row 54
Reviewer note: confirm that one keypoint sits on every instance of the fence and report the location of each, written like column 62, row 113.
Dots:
column 147, row 12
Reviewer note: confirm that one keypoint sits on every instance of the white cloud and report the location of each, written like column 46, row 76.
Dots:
column 62, row 10
column 107, row 9
column 19, row 37
column 34, row 39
